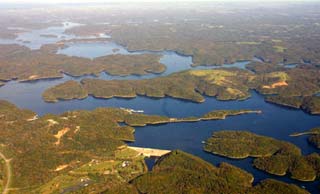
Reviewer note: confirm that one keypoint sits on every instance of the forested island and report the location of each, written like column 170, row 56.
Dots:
column 271, row 155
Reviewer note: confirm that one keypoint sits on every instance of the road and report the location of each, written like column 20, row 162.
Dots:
column 9, row 173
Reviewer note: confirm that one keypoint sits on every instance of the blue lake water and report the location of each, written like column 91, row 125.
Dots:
column 275, row 121
column 34, row 39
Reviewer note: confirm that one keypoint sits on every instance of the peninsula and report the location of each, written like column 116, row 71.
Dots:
column 314, row 136
column 294, row 87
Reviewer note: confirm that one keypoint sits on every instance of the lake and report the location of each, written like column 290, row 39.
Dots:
column 275, row 121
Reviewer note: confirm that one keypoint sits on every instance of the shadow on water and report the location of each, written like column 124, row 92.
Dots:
column 150, row 162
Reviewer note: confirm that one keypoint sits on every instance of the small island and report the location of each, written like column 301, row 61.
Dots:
column 271, row 155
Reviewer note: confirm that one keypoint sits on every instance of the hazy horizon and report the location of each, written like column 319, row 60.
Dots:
column 138, row 1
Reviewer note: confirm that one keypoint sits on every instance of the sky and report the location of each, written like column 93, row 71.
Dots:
column 105, row 1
